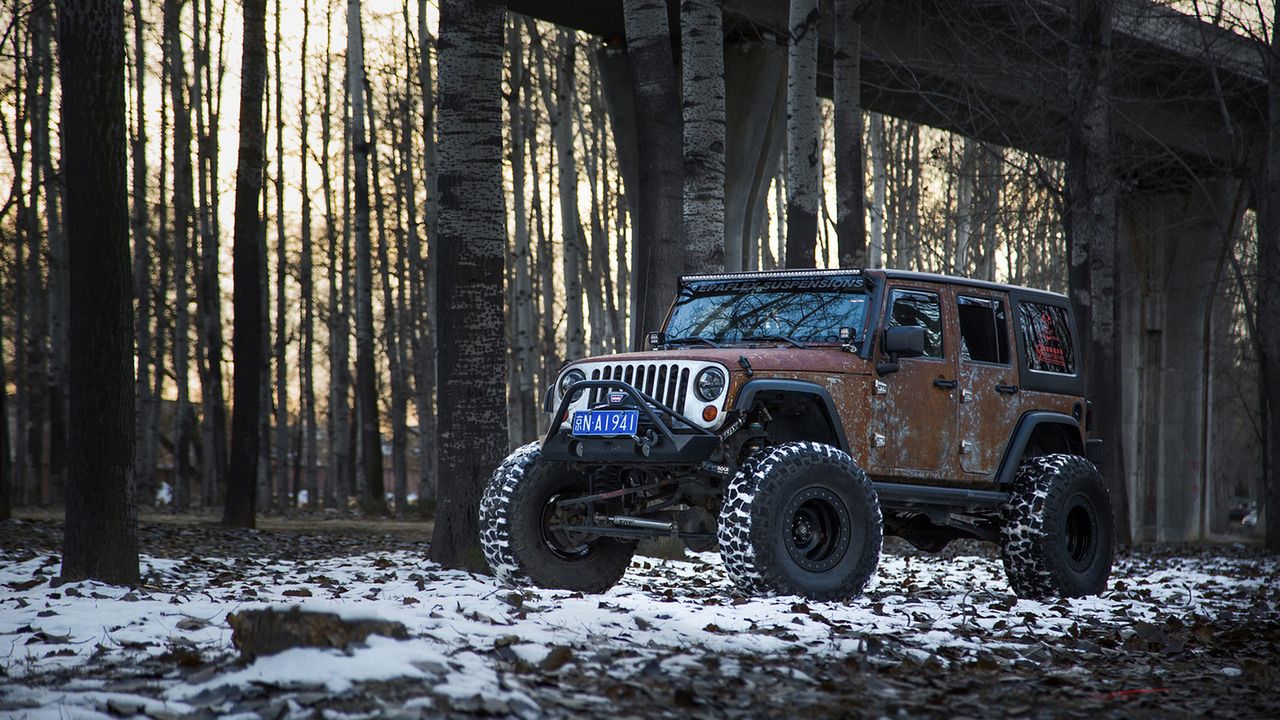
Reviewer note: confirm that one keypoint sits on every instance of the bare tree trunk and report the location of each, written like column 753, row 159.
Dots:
column 559, row 98
column 600, row 296
column 525, row 358
column 213, row 421
column 702, row 73
column 58, row 299
column 6, row 468
column 305, row 281
column 100, row 537
column 424, row 352
column 473, row 423
column 803, row 149
column 546, row 288
column 656, row 234
column 145, row 429
column 398, row 409
column 1091, row 227
column 366, row 382
column 337, row 412
column 851, row 230
column 966, row 208
column 1268, row 313
column 282, row 266
column 878, row 182
column 36, row 298
column 247, row 344
column 182, row 240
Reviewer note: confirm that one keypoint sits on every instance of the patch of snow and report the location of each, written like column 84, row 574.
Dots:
column 459, row 624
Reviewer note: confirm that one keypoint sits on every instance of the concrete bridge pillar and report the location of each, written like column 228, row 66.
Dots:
column 1171, row 250
column 755, row 93
column 755, row 79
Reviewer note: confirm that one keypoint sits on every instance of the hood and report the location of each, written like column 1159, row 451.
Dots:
column 816, row 358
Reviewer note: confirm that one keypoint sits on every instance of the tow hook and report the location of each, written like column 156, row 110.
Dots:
column 643, row 445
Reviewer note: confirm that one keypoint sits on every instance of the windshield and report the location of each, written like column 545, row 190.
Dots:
column 725, row 315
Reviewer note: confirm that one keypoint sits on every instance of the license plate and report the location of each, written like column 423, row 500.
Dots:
column 605, row 422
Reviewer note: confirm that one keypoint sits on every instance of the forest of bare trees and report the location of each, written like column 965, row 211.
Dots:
column 363, row 237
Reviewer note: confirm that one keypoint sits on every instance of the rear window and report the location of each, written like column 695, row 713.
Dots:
column 1046, row 334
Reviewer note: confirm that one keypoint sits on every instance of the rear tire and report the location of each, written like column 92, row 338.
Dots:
column 1057, row 534
column 801, row 518
column 518, row 544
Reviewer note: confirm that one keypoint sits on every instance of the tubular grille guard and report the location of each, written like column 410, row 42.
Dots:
column 666, row 383
column 648, row 406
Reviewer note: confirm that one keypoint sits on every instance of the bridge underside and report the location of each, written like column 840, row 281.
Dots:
column 1189, row 98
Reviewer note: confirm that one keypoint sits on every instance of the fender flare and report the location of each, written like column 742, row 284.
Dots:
column 1022, row 432
column 747, row 395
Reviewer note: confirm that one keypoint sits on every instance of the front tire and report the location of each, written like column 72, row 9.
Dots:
column 801, row 518
column 518, row 538
column 1057, row 534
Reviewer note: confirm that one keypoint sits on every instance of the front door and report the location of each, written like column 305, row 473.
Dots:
column 989, row 393
column 919, row 408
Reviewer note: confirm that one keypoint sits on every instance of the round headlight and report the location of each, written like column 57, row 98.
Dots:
column 570, row 378
column 709, row 384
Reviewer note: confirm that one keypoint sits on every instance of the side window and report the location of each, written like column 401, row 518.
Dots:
column 916, row 307
column 1046, row 333
column 983, row 333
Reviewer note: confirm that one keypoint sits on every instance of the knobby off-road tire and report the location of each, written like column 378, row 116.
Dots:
column 518, row 547
column 1057, row 534
column 801, row 518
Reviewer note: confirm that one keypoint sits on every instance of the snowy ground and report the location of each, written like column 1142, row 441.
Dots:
column 1177, row 633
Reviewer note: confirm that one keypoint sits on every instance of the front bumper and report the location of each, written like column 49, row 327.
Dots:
column 663, row 436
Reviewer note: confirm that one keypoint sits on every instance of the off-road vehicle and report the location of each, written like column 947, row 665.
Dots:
column 794, row 417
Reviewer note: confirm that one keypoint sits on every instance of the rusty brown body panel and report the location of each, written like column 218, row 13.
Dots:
column 911, row 425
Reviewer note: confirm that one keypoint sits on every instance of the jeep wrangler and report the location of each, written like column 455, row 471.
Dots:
column 793, row 418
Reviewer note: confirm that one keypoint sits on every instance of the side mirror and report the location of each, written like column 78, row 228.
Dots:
column 905, row 341
column 656, row 339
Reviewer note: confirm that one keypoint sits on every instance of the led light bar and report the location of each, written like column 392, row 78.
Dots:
column 769, row 275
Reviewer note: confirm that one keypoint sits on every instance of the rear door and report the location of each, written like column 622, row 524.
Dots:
column 988, row 392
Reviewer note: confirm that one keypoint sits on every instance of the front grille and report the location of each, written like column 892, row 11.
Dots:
column 668, row 383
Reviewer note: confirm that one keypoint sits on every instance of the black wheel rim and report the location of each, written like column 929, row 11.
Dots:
column 1080, row 533
column 563, row 543
column 816, row 529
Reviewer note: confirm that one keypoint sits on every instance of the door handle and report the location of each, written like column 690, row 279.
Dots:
column 1007, row 389
column 946, row 384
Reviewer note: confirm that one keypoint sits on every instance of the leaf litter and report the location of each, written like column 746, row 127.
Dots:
column 1180, row 631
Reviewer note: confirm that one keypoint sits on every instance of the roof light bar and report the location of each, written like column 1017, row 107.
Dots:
column 768, row 274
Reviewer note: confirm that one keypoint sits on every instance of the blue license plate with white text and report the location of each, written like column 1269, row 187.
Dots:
column 605, row 422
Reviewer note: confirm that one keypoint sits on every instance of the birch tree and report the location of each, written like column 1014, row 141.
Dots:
column 702, row 75
column 846, row 96
column 422, row 275
column 100, row 534
column 281, row 496
column 878, row 183
column 366, row 383
column 145, row 426
column 472, row 387
column 803, row 148
column 182, row 242
column 524, row 357
column 305, row 280
column 656, row 246
column 206, row 94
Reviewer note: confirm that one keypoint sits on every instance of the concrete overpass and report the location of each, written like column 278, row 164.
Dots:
column 1189, row 117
